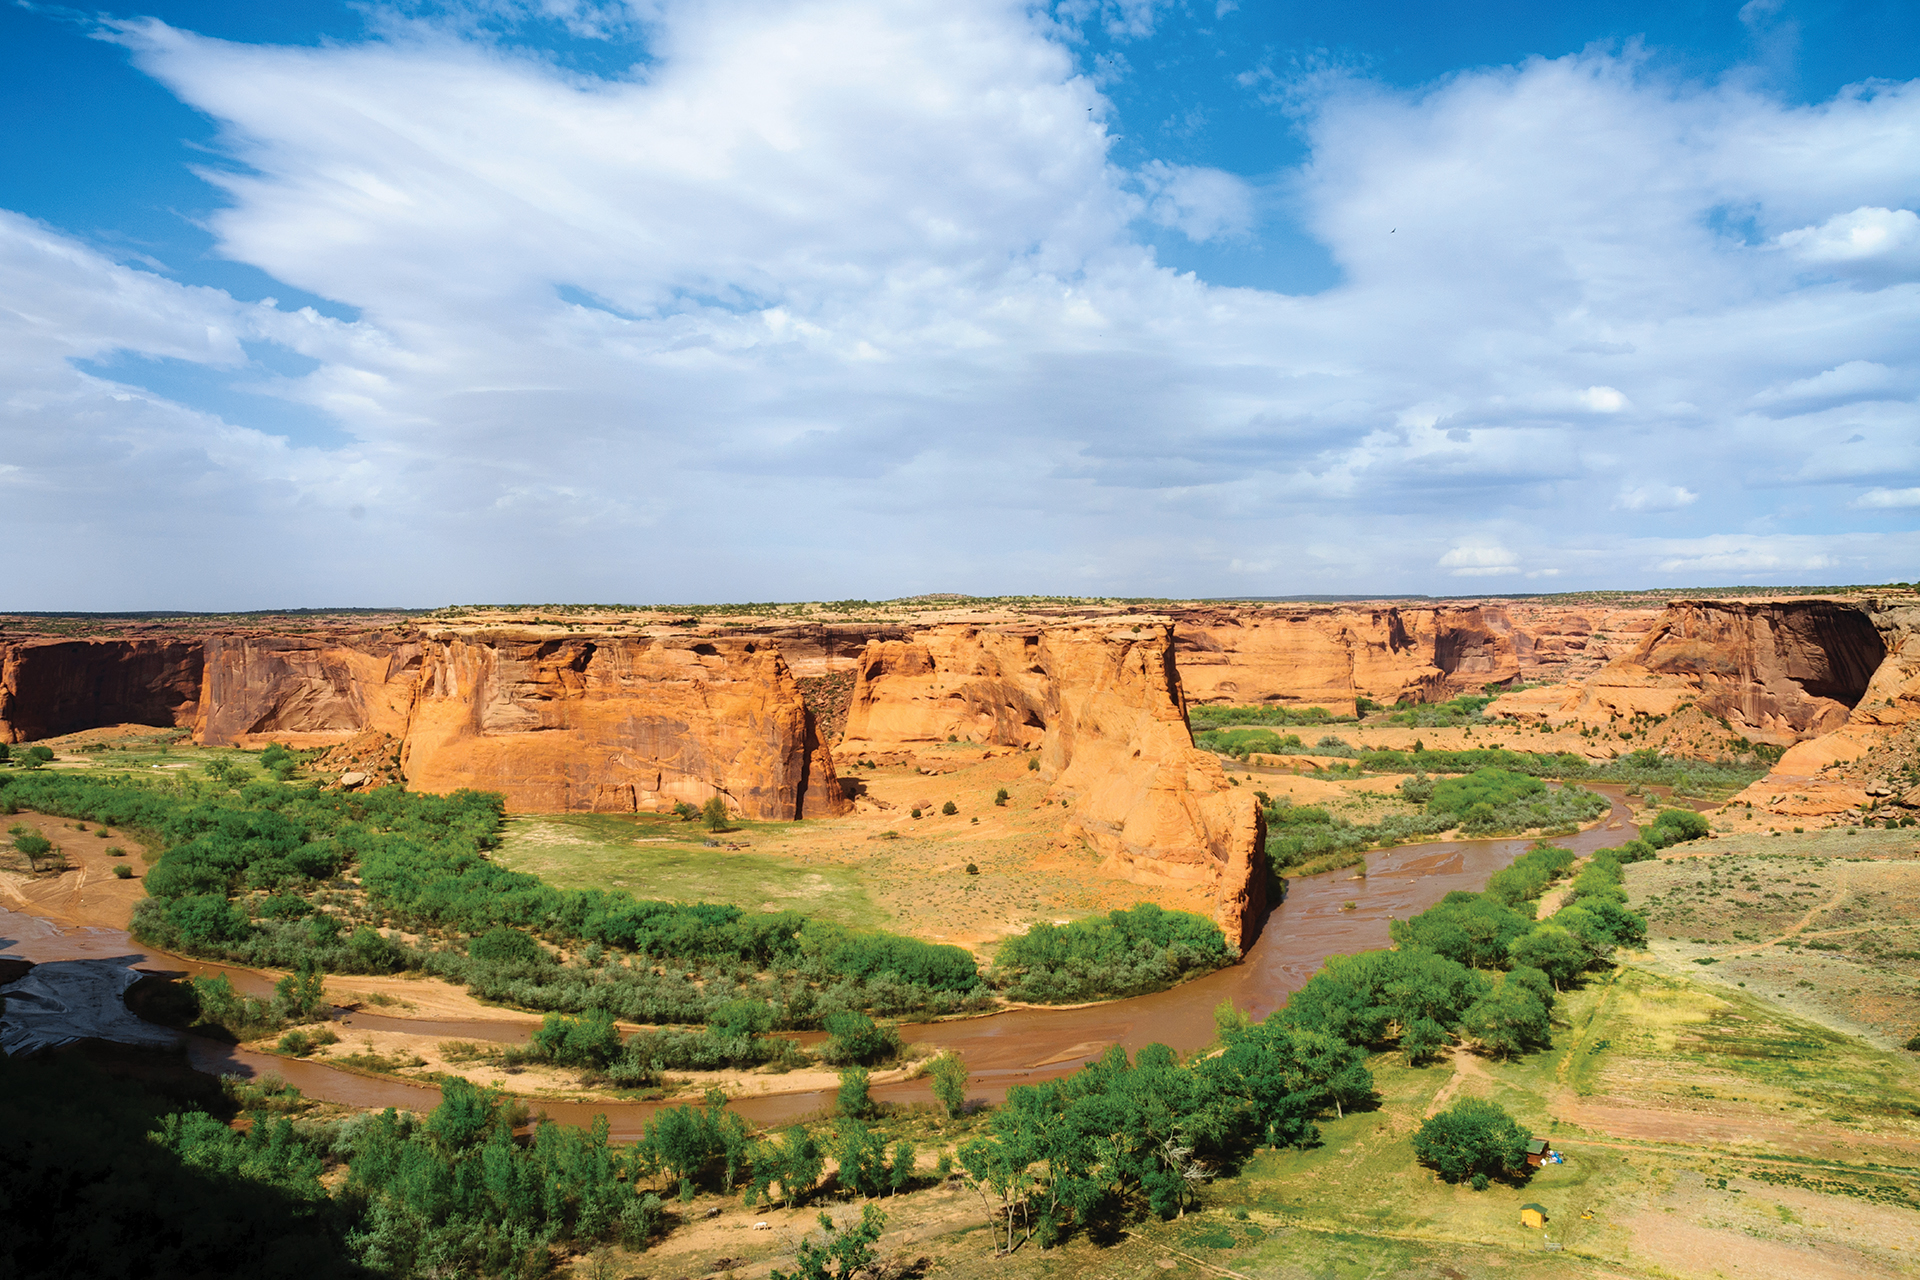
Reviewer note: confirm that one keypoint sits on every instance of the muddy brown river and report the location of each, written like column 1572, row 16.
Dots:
column 1336, row 913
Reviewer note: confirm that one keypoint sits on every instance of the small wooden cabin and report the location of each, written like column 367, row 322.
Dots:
column 1537, row 1152
column 1533, row 1215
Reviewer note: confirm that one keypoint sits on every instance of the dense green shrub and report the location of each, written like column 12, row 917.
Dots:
column 1213, row 717
column 236, row 863
column 1120, row 954
column 1463, row 710
column 1473, row 1136
column 590, row 1041
column 1528, row 875
column 1474, row 929
column 855, row 1038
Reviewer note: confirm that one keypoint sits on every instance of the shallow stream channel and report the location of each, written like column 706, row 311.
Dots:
column 75, row 989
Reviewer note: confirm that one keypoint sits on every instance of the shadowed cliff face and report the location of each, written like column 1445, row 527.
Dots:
column 1330, row 655
column 1804, row 665
column 48, row 688
column 1775, row 671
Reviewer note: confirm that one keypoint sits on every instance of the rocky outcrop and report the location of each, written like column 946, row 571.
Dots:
column 600, row 724
column 51, row 687
column 1870, row 764
column 1330, row 655
column 978, row 684
column 1103, row 705
column 1118, row 749
column 1775, row 671
column 305, row 690
column 618, row 724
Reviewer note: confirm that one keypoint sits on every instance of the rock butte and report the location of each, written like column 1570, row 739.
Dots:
column 626, row 711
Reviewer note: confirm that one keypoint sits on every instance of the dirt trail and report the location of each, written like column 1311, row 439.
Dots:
column 1839, row 896
column 1465, row 1064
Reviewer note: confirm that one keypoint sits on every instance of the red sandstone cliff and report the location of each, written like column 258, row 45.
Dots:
column 1329, row 655
column 1868, row 764
column 1117, row 747
column 619, row 724
column 1102, row 702
column 51, row 687
column 609, row 724
column 1775, row 671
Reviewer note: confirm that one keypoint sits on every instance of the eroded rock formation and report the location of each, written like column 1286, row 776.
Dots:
column 1117, row 747
column 1330, row 655
column 1102, row 703
column 618, row 724
column 51, row 687
column 1774, row 671
column 1870, row 763
column 614, row 724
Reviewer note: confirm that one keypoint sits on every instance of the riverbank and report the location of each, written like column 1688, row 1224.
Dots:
column 1323, row 915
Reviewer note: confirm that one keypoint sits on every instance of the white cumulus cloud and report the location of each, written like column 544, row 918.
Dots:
column 1887, row 499
column 1870, row 242
column 1479, row 560
column 840, row 297
column 1655, row 497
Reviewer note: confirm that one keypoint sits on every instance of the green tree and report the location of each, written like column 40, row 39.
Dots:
column 1509, row 1020
column 793, row 1163
column 843, row 1253
column 715, row 814
column 854, row 1037
column 949, row 808
column 1473, row 1136
column 301, row 995
column 900, row 1168
column 950, row 1083
column 228, row 772
column 589, row 1041
column 1470, row 928
column 853, row 1098
column 1001, row 797
column 1553, row 950
column 33, row 845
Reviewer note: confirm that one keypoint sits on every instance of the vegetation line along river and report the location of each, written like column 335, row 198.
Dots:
column 1334, row 913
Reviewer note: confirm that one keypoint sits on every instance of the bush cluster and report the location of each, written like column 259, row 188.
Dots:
column 1123, row 953
column 242, row 868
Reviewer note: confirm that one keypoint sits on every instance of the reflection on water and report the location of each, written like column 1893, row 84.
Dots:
column 1335, row 913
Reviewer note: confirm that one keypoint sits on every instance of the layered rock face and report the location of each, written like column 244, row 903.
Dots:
column 606, row 724
column 1330, row 655
column 1102, row 703
column 1117, row 747
column 618, row 725
column 1870, row 763
column 305, row 691
column 1775, row 671
column 51, row 687
column 981, row 684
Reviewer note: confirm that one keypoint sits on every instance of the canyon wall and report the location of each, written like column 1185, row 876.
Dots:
column 618, row 724
column 556, row 724
column 1775, row 671
column 1869, row 764
column 1157, row 809
column 1331, row 655
column 51, row 687
column 1102, row 704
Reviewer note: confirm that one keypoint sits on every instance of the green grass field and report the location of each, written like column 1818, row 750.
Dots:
column 665, row 858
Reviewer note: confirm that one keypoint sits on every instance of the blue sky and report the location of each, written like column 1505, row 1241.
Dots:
column 316, row 303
